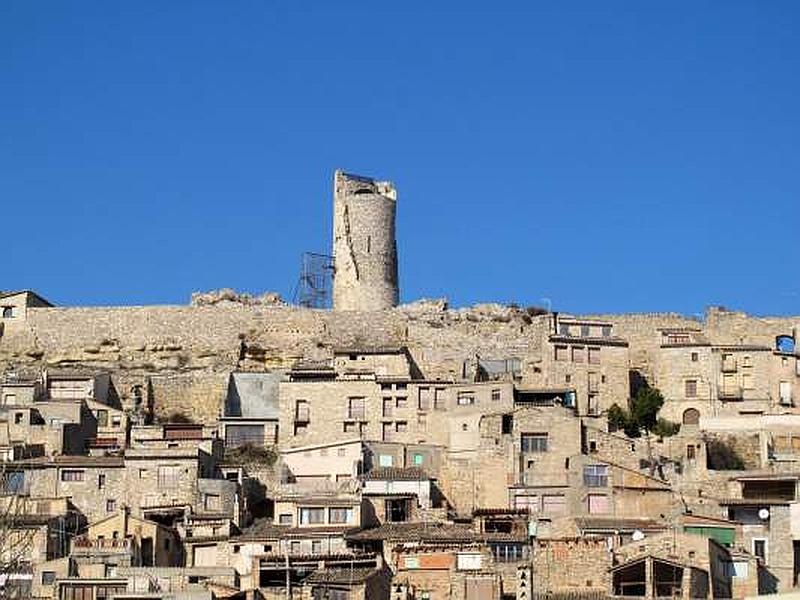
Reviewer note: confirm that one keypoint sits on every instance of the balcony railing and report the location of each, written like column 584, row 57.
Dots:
column 730, row 393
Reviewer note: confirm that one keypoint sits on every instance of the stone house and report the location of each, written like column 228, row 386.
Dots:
column 124, row 540
column 571, row 565
column 459, row 571
column 250, row 412
column 586, row 357
column 393, row 495
column 764, row 505
column 672, row 565
column 322, row 465
column 15, row 307
column 303, row 577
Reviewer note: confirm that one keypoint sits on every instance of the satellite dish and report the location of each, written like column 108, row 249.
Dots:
column 637, row 536
column 763, row 514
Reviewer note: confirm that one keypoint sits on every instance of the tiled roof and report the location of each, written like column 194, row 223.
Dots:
column 753, row 501
column 396, row 474
column 431, row 532
column 341, row 576
column 618, row 523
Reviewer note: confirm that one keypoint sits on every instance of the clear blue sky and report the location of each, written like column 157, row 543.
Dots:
column 609, row 156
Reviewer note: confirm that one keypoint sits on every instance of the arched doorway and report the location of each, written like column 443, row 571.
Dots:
column 691, row 416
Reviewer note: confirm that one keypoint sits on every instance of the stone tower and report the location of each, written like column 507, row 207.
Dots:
column 364, row 246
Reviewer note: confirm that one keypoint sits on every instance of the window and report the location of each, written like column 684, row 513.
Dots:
column 116, row 421
column 598, row 504
column 341, row 515
column 594, row 356
column 505, row 553
column 584, row 331
column 300, row 428
column 533, row 442
column 71, row 475
column 695, row 357
column 691, row 388
column 401, row 426
column 418, row 459
column 400, row 386
column 561, row 353
column 350, row 427
column 606, row 331
column 507, row 424
column 577, row 354
column 101, row 481
column 102, row 418
column 464, row 427
column 495, row 395
column 142, row 473
column 401, row 402
column 396, row 510
column 385, row 460
column 8, row 312
column 212, row 502
column 294, row 547
column 302, row 411
column 312, row 516
column 316, row 546
column 595, row 475
column 529, row 503
column 356, row 408
column 425, row 397
column 563, row 329
column 285, row 519
column 340, row 452
column 388, row 432
column 10, row 399
column 388, row 405
column 465, row 398
column 747, row 381
column 111, row 505
column 554, row 504
column 48, row 577
column 568, row 378
column 438, row 399
column 690, row 452
column 169, row 477
column 18, row 417
column 760, row 548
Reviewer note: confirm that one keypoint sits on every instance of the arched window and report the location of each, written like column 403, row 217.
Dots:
column 691, row 416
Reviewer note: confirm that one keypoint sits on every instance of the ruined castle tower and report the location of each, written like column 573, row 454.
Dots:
column 364, row 246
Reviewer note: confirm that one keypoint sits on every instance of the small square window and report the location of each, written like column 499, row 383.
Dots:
column 18, row 417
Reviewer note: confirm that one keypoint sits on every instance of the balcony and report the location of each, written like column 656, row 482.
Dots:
column 84, row 547
column 733, row 392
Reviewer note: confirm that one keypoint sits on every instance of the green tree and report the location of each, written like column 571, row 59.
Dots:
column 645, row 406
column 642, row 414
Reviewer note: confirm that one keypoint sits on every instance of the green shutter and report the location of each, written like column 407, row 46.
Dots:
column 723, row 535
